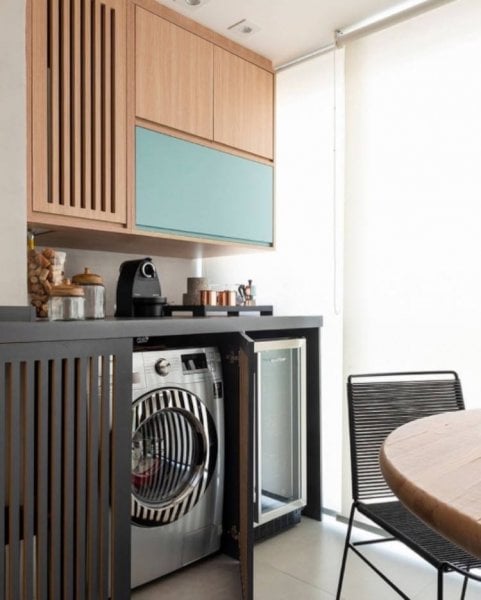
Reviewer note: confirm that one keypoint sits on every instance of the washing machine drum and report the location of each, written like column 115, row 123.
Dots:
column 174, row 454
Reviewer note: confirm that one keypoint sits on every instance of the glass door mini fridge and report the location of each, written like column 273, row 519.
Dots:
column 279, row 432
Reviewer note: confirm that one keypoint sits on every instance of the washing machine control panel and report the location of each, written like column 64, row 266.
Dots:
column 162, row 367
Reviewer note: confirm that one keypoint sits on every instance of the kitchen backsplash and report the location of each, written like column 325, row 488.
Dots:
column 173, row 272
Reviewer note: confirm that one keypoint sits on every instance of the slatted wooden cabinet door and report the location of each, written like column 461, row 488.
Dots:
column 78, row 108
column 65, row 470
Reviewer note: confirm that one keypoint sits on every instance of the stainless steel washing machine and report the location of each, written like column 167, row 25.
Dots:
column 177, row 459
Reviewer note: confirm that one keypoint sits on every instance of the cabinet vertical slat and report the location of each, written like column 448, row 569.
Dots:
column 86, row 104
column 54, row 103
column 104, row 475
column 112, row 205
column 3, row 479
column 14, row 466
column 118, row 154
column 76, row 62
column 42, row 485
column 27, row 406
column 96, row 107
column 40, row 100
column 68, row 439
column 94, row 451
column 121, row 365
column 65, row 103
column 55, row 479
column 81, row 407
column 107, row 147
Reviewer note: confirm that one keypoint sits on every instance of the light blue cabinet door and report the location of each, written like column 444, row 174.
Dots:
column 189, row 189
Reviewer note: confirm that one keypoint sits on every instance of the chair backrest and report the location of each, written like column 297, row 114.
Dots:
column 378, row 404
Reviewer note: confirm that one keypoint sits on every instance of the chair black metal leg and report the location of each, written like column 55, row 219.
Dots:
column 344, row 555
column 465, row 585
column 440, row 584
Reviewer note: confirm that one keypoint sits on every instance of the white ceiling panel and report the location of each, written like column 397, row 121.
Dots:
column 287, row 29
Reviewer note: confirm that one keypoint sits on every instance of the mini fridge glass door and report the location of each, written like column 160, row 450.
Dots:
column 280, row 428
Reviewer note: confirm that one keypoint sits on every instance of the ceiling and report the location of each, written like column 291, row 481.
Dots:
column 288, row 29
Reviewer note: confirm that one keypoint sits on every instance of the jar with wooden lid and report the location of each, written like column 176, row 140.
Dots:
column 94, row 292
column 66, row 302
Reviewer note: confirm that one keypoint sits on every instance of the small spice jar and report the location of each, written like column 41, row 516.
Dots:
column 66, row 302
column 94, row 291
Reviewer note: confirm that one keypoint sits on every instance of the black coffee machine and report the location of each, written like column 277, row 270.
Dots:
column 138, row 290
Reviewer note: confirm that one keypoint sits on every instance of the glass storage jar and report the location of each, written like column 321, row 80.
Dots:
column 66, row 302
column 94, row 292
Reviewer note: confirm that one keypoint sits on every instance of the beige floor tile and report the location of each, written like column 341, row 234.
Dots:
column 270, row 584
column 303, row 564
column 215, row 578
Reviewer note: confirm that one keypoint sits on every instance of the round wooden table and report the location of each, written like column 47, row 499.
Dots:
column 433, row 465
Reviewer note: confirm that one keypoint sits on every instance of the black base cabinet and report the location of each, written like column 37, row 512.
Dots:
column 64, row 469
column 65, row 446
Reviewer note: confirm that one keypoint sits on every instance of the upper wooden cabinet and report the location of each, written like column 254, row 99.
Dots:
column 243, row 104
column 77, row 111
column 174, row 75
column 186, row 80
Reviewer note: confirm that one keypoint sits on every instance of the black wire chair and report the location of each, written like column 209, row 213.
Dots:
column 378, row 404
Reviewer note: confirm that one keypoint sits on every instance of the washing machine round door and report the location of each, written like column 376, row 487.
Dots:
column 174, row 454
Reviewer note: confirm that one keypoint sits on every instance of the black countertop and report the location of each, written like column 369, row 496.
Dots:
column 36, row 331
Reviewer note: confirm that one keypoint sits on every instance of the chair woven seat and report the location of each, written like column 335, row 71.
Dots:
column 407, row 528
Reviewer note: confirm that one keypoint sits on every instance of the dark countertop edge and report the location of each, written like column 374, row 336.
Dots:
column 44, row 331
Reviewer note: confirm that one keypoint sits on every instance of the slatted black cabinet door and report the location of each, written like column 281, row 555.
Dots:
column 65, row 470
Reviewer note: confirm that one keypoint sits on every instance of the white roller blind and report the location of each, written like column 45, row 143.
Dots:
column 413, row 196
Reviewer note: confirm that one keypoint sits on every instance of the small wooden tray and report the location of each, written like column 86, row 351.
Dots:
column 203, row 310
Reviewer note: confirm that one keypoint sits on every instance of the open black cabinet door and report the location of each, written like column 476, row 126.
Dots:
column 247, row 383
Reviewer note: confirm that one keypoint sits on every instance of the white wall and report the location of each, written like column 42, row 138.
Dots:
column 413, row 189
column 298, row 278
column 13, row 153
column 172, row 272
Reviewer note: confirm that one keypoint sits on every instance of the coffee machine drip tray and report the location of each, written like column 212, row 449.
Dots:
column 149, row 306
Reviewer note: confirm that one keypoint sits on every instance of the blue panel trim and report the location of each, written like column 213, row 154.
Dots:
column 187, row 188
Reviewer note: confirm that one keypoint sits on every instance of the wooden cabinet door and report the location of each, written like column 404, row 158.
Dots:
column 243, row 104
column 174, row 75
column 78, row 108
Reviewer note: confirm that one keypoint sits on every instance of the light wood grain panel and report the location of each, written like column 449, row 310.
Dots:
column 130, row 110
column 78, row 109
column 76, row 184
column 86, row 111
column 39, row 107
column 65, row 104
column 243, row 104
column 119, row 197
column 96, row 107
column 174, row 76
column 106, row 80
column 53, row 193
column 182, row 135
